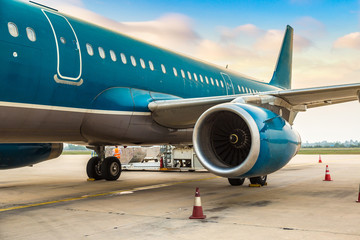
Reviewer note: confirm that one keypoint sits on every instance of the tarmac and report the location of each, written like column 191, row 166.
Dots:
column 54, row 200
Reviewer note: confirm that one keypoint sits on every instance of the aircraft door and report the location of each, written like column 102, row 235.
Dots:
column 69, row 64
column 228, row 83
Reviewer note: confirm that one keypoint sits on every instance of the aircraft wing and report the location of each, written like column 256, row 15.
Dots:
column 183, row 113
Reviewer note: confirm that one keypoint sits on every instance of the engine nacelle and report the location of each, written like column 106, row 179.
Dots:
column 242, row 140
column 25, row 154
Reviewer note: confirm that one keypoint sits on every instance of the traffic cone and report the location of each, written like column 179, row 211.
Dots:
column 327, row 174
column 320, row 159
column 358, row 201
column 197, row 210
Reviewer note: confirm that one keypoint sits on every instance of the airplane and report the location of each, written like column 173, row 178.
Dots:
column 64, row 80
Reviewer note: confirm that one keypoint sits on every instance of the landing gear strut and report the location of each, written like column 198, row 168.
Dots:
column 103, row 168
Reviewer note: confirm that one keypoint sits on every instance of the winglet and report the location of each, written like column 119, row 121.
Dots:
column 282, row 73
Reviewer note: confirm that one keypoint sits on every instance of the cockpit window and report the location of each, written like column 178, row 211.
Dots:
column 31, row 34
column 13, row 30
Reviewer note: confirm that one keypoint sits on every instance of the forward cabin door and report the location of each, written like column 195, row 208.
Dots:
column 69, row 64
column 228, row 84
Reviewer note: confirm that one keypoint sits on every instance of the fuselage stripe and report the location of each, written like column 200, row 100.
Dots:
column 69, row 109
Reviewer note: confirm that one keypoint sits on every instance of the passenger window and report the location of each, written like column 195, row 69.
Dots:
column 62, row 40
column 163, row 68
column 101, row 52
column 113, row 55
column 142, row 63
column 212, row 81
column 189, row 75
column 13, row 30
column 217, row 82
column 182, row 73
column 175, row 72
column 123, row 58
column 239, row 88
column 243, row 90
column 151, row 65
column 133, row 61
column 201, row 78
column 206, row 79
column 31, row 34
column 222, row 84
column 89, row 49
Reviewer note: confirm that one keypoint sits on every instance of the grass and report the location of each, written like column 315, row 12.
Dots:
column 333, row 151
column 75, row 152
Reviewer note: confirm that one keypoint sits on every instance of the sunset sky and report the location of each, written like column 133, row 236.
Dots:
column 247, row 35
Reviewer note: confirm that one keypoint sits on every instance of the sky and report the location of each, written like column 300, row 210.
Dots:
column 246, row 35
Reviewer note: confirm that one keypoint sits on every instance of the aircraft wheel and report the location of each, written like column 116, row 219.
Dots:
column 93, row 169
column 259, row 180
column 236, row 181
column 111, row 168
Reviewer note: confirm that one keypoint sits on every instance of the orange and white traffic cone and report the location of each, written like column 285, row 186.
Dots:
column 320, row 159
column 358, row 201
column 327, row 174
column 197, row 210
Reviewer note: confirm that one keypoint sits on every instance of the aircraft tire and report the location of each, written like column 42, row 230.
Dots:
column 259, row 180
column 111, row 168
column 236, row 181
column 92, row 170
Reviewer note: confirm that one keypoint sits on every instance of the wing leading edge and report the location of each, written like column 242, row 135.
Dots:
column 183, row 113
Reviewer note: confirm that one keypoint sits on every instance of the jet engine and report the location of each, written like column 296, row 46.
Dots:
column 16, row 155
column 236, row 140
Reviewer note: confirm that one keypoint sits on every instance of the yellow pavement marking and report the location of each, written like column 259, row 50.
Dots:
column 127, row 191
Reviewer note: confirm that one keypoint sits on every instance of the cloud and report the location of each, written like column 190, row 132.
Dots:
column 272, row 39
column 231, row 34
column 349, row 41
column 168, row 30
column 310, row 27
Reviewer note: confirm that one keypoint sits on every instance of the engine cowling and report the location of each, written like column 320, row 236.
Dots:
column 16, row 155
column 242, row 140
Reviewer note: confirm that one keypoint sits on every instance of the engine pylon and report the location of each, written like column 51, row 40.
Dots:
column 327, row 174
column 197, row 210
column 320, row 159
